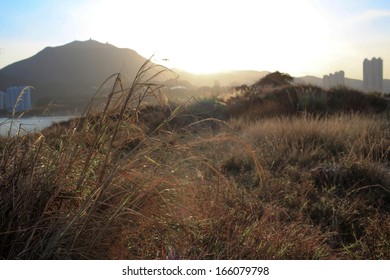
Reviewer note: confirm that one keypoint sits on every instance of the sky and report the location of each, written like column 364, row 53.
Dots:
column 299, row 37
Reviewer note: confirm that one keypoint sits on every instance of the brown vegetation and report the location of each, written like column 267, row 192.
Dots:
column 276, row 95
column 285, row 175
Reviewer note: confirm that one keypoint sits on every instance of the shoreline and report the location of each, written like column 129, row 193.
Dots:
column 37, row 116
column 29, row 124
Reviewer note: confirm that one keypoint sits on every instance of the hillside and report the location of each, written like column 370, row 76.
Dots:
column 287, row 172
column 72, row 71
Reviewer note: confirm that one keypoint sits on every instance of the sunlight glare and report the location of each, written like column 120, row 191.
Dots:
column 209, row 36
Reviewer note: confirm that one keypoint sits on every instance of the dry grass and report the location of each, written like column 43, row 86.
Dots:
column 288, row 100
column 135, row 181
column 332, row 172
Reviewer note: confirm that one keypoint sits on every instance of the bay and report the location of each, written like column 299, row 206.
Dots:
column 22, row 126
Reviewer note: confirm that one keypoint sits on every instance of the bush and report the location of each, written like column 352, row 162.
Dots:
column 285, row 99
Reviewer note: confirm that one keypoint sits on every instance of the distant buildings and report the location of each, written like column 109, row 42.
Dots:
column 373, row 75
column 334, row 80
column 1, row 100
column 15, row 98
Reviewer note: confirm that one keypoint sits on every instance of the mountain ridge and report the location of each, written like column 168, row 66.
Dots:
column 73, row 61
column 71, row 73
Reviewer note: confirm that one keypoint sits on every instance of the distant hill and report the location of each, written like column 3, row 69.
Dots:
column 352, row 83
column 70, row 73
column 228, row 78
column 309, row 80
column 239, row 77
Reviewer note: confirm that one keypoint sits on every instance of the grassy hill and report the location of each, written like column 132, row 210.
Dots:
column 202, row 180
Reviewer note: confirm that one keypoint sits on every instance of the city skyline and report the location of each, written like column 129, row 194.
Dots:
column 298, row 37
column 16, row 98
column 334, row 79
column 373, row 75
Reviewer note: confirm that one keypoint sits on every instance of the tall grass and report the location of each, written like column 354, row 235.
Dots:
column 331, row 172
column 131, row 180
column 62, row 193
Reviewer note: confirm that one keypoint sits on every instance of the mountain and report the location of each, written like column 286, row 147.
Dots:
column 309, row 80
column 72, row 72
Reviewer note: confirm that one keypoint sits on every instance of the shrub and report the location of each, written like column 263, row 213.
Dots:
column 283, row 98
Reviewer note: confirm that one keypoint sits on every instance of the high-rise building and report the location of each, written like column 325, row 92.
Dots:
column 18, row 98
column 334, row 80
column 1, row 100
column 373, row 75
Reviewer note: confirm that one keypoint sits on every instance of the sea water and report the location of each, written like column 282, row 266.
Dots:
column 22, row 126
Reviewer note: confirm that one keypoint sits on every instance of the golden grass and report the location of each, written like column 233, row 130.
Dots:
column 135, row 181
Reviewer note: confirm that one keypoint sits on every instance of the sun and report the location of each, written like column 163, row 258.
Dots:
column 213, row 36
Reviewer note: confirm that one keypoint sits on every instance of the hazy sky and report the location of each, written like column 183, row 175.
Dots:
column 300, row 37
